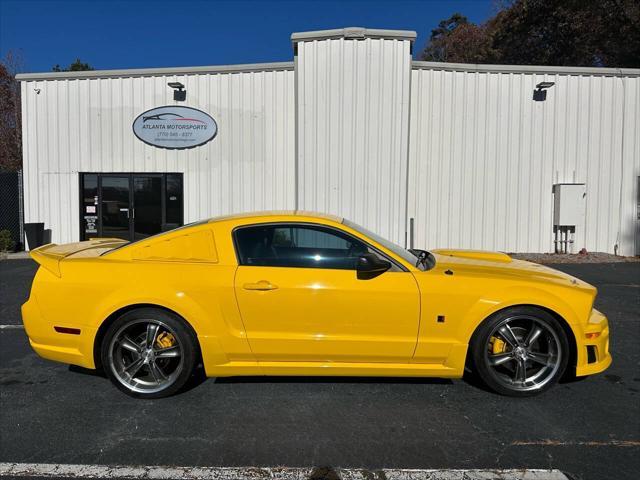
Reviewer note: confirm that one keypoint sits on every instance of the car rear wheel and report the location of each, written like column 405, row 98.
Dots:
column 149, row 353
column 520, row 351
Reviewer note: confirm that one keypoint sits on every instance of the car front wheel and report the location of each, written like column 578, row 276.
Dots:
column 520, row 351
column 149, row 353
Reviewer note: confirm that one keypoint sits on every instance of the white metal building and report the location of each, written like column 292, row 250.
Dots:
column 427, row 154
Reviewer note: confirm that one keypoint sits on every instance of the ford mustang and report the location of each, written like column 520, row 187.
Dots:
column 297, row 293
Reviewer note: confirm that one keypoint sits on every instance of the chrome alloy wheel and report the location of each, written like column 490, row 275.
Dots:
column 523, row 353
column 145, row 355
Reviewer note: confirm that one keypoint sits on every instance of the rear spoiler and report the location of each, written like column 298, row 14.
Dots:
column 50, row 255
column 48, row 259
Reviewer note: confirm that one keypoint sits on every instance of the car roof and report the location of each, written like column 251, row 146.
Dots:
column 276, row 213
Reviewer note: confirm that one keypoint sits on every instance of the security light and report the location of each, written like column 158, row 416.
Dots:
column 179, row 94
column 540, row 94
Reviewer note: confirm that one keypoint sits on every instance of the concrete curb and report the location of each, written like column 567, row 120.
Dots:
column 256, row 473
column 15, row 256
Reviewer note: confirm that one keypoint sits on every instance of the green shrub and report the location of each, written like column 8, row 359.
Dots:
column 6, row 242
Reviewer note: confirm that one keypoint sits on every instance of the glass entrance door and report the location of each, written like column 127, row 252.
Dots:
column 131, row 206
column 115, row 207
column 147, row 198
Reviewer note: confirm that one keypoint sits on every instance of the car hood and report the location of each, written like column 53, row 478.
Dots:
column 492, row 264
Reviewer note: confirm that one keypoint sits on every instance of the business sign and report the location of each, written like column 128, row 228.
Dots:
column 175, row 127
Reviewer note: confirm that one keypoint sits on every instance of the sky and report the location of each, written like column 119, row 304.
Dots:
column 159, row 33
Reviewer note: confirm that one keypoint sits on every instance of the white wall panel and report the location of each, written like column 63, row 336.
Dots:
column 484, row 157
column 360, row 131
column 85, row 125
column 630, row 198
column 353, row 112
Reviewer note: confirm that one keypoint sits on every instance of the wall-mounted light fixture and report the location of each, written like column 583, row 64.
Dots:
column 540, row 94
column 179, row 93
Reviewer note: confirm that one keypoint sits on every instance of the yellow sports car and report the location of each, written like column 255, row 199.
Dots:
column 296, row 293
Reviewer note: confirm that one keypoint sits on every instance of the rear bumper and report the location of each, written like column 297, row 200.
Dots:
column 59, row 347
column 593, row 347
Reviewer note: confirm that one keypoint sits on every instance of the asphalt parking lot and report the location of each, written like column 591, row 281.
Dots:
column 589, row 428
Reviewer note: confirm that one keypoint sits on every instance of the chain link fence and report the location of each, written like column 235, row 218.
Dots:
column 11, row 207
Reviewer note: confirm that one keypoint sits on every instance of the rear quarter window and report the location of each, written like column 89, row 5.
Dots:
column 198, row 246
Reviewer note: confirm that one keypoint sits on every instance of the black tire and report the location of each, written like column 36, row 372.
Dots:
column 131, row 343
column 509, row 330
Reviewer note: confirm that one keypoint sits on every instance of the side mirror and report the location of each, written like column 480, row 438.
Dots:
column 369, row 266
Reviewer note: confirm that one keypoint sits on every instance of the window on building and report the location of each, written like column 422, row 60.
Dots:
column 89, row 206
column 173, row 200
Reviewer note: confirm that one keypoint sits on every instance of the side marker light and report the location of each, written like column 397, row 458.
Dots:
column 70, row 331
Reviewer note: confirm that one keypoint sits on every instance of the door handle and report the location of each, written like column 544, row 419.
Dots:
column 262, row 285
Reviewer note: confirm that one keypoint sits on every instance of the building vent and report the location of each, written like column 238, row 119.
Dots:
column 568, row 214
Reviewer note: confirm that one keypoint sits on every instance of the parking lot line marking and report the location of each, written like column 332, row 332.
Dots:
column 11, row 327
column 51, row 470
column 558, row 443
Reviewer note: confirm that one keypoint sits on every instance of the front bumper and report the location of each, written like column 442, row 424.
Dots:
column 593, row 346
column 59, row 347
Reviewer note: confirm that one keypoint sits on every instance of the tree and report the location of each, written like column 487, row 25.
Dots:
column 545, row 32
column 457, row 40
column 569, row 32
column 77, row 66
column 437, row 50
column 10, row 113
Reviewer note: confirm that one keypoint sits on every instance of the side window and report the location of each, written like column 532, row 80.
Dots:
column 294, row 245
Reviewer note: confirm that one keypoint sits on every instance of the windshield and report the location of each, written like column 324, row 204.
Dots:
column 403, row 253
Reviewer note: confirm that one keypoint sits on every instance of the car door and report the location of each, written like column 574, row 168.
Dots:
column 301, row 300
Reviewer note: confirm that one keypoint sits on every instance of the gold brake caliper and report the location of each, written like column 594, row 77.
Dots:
column 165, row 340
column 497, row 345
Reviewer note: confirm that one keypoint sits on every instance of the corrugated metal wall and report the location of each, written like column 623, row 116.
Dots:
column 353, row 112
column 484, row 157
column 84, row 125
column 360, row 131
